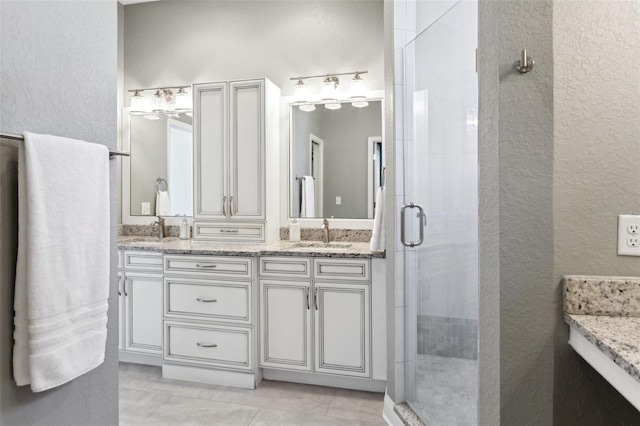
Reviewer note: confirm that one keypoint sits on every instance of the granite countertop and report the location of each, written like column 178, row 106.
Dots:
column 274, row 248
column 606, row 311
column 617, row 337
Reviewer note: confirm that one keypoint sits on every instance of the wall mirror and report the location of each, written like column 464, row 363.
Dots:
column 336, row 161
column 159, row 176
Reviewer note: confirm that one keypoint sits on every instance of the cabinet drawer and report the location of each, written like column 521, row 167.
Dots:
column 206, row 299
column 219, row 266
column 342, row 269
column 226, row 347
column 142, row 260
column 228, row 232
column 298, row 267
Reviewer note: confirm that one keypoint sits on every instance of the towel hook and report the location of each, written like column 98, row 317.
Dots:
column 525, row 63
column 159, row 182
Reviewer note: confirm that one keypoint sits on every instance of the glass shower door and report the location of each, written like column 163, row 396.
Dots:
column 440, row 218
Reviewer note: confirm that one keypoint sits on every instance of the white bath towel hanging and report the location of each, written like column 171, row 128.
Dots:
column 62, row 273
column 307, row 195
column 378, row 234
column 163, row 204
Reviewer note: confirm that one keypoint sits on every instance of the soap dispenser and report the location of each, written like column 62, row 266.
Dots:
column 184, row 228
column 294, row 230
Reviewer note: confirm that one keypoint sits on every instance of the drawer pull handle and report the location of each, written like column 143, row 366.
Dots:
column 199, row 265
column 207, row 345
column 206, row 300
column 229, row 231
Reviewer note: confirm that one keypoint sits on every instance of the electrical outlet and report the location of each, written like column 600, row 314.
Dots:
column 338, row 200
column 629, row 235
column 145, row 207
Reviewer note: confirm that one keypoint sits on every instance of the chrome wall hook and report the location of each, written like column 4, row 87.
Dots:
column 525, row 63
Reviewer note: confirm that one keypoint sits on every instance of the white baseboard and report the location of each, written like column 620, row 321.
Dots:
column 136, row 358
column 389, row 412
column 368, row 385
column 209, row 376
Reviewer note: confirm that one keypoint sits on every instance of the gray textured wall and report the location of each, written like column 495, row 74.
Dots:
column 58, row 75
column 557, row 155
column 231, row 40
column 596, row 177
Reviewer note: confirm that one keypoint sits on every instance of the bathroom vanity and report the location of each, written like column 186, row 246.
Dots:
column 230, row 314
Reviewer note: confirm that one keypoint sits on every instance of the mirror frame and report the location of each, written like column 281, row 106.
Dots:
column 336, row 223
column 125, row 184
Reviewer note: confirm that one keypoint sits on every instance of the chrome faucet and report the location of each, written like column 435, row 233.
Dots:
column 160, row 223
column 325, row 231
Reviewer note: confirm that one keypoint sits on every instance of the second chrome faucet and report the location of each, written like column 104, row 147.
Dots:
column 326, row 238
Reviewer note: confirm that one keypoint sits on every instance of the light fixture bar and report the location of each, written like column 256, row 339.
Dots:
column 158, row 88
column 328, row 75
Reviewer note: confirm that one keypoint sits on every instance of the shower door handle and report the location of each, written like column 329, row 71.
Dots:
column 423, row 224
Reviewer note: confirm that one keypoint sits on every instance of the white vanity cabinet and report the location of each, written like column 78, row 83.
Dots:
column 316, row 321
column 209, row 320
column 140, row 306
column 236, row 163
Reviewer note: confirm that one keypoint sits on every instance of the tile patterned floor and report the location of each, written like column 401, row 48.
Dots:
column 148, row 399
column 446, row 391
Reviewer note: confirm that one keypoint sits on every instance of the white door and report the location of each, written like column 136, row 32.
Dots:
column 121, row 317
column 285, row 324
column 143, row 309
column 246, row 180
column 342, row 329
column 210, row 118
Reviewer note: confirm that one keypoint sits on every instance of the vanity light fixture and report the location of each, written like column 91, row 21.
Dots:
column 329, row 92
column 357, row 98
column 168, row 101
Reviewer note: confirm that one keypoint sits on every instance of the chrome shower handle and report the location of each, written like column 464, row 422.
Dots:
column 423, row 224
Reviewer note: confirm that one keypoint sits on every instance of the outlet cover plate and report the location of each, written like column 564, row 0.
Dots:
column 626, row 237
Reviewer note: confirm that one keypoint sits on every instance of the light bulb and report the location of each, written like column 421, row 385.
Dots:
column 360, row 103
column 333, row 105
column 329, row 90
column 158, row 102
column 137, row 104
column 357, row 87
column 307, row 107
column 300, row 92
column 182, row 100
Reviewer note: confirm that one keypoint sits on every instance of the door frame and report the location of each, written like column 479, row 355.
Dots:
column 371, row 189
column 318, row 181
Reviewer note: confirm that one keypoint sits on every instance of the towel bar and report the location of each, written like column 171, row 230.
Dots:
column 112, row 153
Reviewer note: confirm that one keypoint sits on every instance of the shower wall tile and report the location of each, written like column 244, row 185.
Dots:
column 399, row 281
column 448, row 337
column 400, row 333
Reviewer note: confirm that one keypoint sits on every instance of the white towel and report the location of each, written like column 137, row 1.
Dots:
column 163, row 205
column 307, row 198
column 378, row 234
column 62, row 273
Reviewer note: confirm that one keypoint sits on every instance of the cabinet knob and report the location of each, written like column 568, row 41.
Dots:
column 207, row 345
column 206, row 266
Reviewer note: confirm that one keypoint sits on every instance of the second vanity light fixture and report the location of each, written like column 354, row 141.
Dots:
column 329, row 93
column 170, row 101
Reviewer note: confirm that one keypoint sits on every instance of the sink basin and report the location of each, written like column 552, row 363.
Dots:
column 318, row 244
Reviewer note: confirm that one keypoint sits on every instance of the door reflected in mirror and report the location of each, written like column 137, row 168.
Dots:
column 161, row 165
column 336, row 161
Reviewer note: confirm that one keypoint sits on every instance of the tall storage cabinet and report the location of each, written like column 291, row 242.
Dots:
column 236, row 138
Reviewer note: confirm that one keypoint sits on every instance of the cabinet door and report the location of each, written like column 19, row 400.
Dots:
column 143, row 306
column 121, row 317
column 210, row 159
column 247, row 149
column 285, row 326
column 342, row 329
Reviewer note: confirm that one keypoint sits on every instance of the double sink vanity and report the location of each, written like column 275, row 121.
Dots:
column 230, row 314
